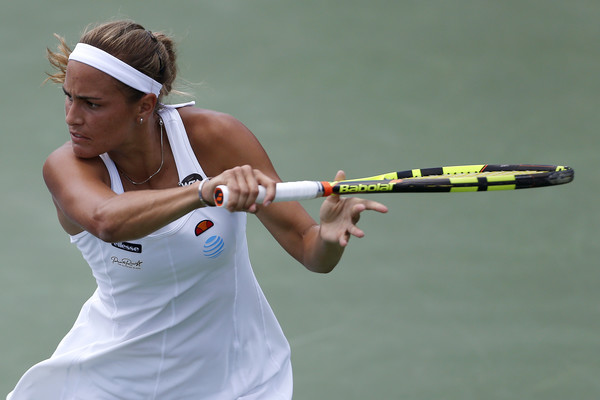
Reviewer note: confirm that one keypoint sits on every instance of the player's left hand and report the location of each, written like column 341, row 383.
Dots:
column 339, row 216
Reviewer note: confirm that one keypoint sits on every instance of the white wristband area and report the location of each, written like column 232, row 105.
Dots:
column 204, row 203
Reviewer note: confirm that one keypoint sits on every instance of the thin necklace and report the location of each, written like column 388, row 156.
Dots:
column 162, row 159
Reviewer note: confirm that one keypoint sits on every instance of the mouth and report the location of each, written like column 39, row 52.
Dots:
column 77, row 137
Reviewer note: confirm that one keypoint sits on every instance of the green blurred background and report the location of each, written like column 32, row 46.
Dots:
column 469, row 296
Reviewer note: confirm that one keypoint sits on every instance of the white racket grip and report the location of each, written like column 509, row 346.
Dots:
column 285, row 191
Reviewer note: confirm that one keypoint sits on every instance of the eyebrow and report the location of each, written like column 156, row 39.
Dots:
column 80, row 97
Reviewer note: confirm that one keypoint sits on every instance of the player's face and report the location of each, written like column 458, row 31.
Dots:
column 98, row 115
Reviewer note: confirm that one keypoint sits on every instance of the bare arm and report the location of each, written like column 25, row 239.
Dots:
column 85, row 201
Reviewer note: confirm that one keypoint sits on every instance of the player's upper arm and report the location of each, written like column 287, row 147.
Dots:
column 77, row 186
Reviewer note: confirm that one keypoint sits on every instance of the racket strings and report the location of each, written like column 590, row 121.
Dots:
column 477, row 174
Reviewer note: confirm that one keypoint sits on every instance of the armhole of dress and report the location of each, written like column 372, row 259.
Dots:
column 115, row 179
column 180, row 142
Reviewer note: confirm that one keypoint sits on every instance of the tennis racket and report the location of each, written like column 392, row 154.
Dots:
column 461, row 178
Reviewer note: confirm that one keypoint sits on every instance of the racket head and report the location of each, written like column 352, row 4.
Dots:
column 460, row 178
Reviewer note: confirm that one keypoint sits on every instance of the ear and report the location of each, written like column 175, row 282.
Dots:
column 146, row 106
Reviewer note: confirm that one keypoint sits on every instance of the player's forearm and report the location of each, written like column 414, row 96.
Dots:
column 135, row 214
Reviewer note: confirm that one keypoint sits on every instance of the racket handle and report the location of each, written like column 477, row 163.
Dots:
column 285, row 191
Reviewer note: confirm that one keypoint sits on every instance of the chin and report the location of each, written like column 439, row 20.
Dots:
column 83, row 151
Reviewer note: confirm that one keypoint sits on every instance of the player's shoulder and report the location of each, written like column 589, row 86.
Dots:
column 220, row 140
column 65, row 154
column 213, row 129
column 208, row 122
column 63, row 161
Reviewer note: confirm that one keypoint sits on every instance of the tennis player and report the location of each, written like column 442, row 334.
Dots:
column 178, row 313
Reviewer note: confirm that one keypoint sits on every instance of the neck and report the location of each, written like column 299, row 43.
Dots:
column 139, row 166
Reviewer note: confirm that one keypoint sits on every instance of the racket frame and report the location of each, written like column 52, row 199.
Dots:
column 455, row 179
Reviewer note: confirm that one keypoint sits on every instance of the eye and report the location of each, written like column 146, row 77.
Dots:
column 93, row 105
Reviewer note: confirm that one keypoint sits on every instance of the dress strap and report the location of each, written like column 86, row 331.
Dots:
column 188, row 167
column 115, row 179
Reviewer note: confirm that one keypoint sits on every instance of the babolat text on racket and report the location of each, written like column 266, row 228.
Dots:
column 460, row 178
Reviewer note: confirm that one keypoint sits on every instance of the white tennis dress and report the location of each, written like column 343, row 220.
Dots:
column 177, row 314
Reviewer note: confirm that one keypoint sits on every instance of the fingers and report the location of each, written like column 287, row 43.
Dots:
column 369, row 204
column 340, row 215
column 242, row 183
column 340, row 176
column 353, row 229
column 375, row 206
column 270, row 185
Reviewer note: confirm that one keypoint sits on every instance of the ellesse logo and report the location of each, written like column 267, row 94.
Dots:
column 132, row 247
column 203, row 226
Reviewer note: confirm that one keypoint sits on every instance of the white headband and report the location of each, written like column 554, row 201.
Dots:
column 107, row 63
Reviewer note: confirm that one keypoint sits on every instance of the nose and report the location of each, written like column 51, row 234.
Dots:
column 72, row 114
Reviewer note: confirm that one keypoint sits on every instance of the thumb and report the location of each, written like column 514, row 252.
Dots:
column 340, row 176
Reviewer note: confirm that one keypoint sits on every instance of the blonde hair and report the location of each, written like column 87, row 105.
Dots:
column 150, row 53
